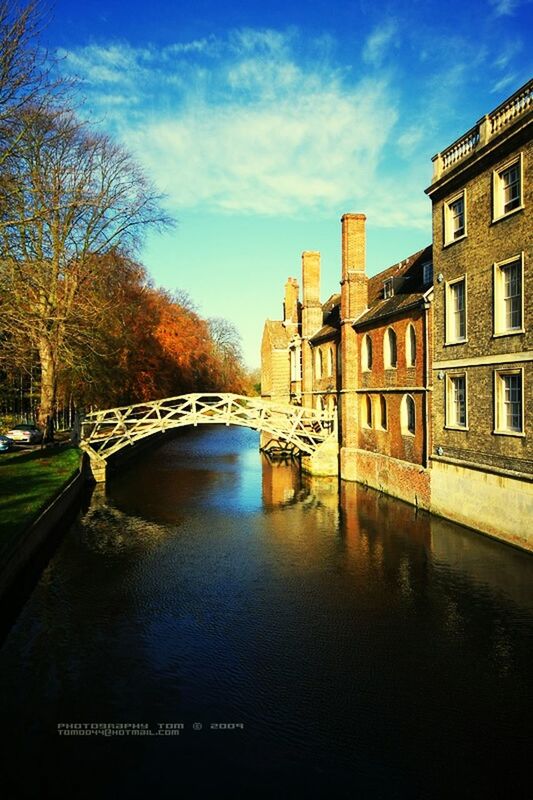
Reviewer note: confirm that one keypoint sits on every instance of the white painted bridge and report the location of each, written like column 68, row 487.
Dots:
column 107, row 431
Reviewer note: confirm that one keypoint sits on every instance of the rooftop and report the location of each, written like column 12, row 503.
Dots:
column 485, row 130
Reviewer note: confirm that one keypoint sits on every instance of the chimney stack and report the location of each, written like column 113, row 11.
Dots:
column 290, row 305
column 354, row 283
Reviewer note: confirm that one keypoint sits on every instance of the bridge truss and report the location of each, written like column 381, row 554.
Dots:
column 107, row 431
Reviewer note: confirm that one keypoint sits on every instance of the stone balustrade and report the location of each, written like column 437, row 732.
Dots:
column 484, row 130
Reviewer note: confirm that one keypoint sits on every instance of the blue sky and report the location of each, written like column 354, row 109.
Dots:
column 264, row 122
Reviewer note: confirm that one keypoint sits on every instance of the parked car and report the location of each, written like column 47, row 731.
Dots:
column 5, row 444
column 27, row 433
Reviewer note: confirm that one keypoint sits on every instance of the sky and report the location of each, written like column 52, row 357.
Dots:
column 263, row 122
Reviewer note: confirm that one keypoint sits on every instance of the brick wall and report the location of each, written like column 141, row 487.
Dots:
column 486, row 243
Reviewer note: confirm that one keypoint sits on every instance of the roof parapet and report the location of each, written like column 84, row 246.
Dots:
column 484, row 130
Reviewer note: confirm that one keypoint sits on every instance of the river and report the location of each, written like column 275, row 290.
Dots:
column 267, row 635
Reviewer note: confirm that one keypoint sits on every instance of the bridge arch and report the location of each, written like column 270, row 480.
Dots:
column 107, row 431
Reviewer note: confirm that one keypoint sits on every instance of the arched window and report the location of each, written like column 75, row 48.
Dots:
column 330, row 362
column 410, row 346
column 366, row 411
column 366, row 352
column 382, row 412
column 390, row 353
column 318, row 363
column 407, row 415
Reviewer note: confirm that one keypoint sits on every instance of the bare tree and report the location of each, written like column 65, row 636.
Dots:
column 24, row 70
column 67, row 197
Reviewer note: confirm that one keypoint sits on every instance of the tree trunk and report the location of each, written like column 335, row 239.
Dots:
column 48, row 384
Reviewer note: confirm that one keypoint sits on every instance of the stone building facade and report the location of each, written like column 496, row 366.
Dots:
column 482, row 194
column 429, row 362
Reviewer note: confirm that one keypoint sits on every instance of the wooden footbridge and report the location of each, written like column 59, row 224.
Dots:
column 107, row 431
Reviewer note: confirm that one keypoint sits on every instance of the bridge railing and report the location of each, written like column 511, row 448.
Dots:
column 108, row 430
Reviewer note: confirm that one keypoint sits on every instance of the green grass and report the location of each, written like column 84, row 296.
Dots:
column 29, row 480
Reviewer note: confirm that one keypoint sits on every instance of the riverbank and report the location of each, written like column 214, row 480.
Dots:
column 37, row 488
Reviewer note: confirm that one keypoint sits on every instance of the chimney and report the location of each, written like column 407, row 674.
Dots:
column 354, row 283
column 290, row 305
column 311, row 307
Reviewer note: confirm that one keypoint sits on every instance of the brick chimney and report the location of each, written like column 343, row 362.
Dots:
column 311, row 320
column 290, row 304
column 354, row 300
column 354, row 283
column 311, row 307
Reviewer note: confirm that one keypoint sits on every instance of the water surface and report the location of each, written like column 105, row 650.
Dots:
column 360, row 649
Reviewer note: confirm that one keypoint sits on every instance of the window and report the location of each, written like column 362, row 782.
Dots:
column 456, row 311
column 366, row 411
column 509, row 404
column 296, row 363
column 507, row 189
column 330, row 362
column 427, row 273
column 456, row 401
column 410, row 346
column 389, row 349
column 455, row 218
column 366, row 354
column 382, row 412
column 318, row 363
column 407, row 415
column 388, row 288
column 508, row 297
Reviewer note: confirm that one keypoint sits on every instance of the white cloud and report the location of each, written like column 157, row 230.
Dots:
column 244, row 125
column 380, row 41
column 504, row 8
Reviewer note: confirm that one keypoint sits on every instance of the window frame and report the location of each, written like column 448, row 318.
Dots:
column 448, row 340
column 387, row 361
column 383, row 412
column 451, row 420
column 319, row 364
column 498, row 287
column 388, row 288
column 367, row 353
column 499, row 408
column 498, row 211
column 427, row 273
column 449, row 235
column 404, row 415
column 329, row 362
column 367, row 411
column 410, row 346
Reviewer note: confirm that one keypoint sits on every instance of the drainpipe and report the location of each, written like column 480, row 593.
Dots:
column 426, row 386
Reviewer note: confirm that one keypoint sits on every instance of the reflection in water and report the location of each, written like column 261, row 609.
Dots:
column 368, row 650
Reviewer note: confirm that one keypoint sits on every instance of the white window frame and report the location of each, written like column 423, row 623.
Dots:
column 296, row 363
column 319, row 363
column 387, row 360
column 404, row 416
column 410, row 351
column 451, row 416
column 449, row 339
column 500, row 425
column 449, row 233
column 498, row 211
column 388, row 288
column 329, row 362
column 366, row 351
column 499, row 314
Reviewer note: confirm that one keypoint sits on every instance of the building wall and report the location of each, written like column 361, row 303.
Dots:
column 275, row 372
column 393, row 384
column 486, row 243
column 325, row 386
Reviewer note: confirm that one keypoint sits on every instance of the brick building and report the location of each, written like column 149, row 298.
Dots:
column 482, row 193
column 394, row 387
column 429, row 363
